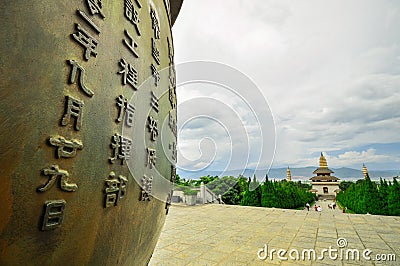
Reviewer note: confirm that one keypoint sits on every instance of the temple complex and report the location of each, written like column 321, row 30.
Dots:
column 324, row 185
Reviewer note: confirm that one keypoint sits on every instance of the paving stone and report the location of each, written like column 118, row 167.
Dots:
column 202, row 262
column 327, row 263
column 302, row 245
column 168, row 262
column 232, row 235
column 376, row 245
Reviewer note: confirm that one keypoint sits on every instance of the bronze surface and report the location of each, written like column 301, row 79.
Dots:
column 67, row 195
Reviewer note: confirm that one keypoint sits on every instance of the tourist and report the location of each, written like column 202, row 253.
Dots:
column 220, row 199
column 315, row 207
column 319, row 209
column 308, row 206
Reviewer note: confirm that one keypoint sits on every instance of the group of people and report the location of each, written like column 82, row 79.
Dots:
column 318, row 208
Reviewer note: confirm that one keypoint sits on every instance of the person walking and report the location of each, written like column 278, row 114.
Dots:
column 308, row 206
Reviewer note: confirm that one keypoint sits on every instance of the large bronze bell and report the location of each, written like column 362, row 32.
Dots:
column 88, row 130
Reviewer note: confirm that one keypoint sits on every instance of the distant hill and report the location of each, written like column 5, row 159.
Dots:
column 302, row 173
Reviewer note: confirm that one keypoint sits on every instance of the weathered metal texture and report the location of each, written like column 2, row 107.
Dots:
column 69, row 131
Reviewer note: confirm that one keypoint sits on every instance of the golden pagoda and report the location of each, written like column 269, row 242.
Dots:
column 288, row 174
column 322, row 162
column 323, row 183
column 365, row 171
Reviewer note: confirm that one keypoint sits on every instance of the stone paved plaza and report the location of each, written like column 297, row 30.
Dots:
column 233, row 235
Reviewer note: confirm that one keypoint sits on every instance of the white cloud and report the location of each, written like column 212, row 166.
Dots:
column 330, row 71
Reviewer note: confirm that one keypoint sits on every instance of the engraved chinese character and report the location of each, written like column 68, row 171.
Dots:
column 138, row 3
column 172, row 96
column 53, row 214
column 152, row 127
column 111, row 190
column 154, row 51
column 154, row 102
column 54, row 173
column 122, row 188
column 115, row 189
column 115, row 145
column 121, row 148
column 156, row 74
column 172, row 78
column 147, row 183
column 66, row 148
column 151, row 157
column 77, row 70
column 89, row 21
column 74, row 109
column 129, row 74
column 127, row 108
column 95, row 7
column 172, row 123
column 132, row 15
column 172, row 147
column 173, row 173
column 170, row 194
column 131, row 44
column 170, row 52
column 86, row 40
column 154, row 24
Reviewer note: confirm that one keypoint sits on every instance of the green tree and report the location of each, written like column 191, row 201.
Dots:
column 394, row 198
column 268, row 193
column 370, row 196
column 383, row 196
column 178, row 180
column 344, row 185
column 284, row 194
column 304, row 185
column 252, row 195
column 219, row 186
column 365, row 197
column 234, row 194
column 205, row 179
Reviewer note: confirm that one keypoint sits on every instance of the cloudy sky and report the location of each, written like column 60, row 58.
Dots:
column 329, row 70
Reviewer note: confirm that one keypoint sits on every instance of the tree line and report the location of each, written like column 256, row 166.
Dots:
column 279, row 194
column 366, row 196
column 246, row 192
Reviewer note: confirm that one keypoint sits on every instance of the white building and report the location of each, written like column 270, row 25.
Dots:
column 323, row 184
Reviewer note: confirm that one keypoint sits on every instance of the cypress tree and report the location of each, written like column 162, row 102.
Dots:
column 383, row 196
column 252, row 195
column 370, row 197
column 394, row 198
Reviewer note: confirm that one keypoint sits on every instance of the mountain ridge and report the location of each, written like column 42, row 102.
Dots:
column 298, row 173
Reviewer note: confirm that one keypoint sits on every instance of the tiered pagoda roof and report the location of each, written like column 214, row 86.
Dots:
column 324, row 178
column 323, row 173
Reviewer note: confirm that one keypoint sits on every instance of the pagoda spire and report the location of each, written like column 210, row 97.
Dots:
column 288, row 174
column 365, row 171
column 322, row 162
